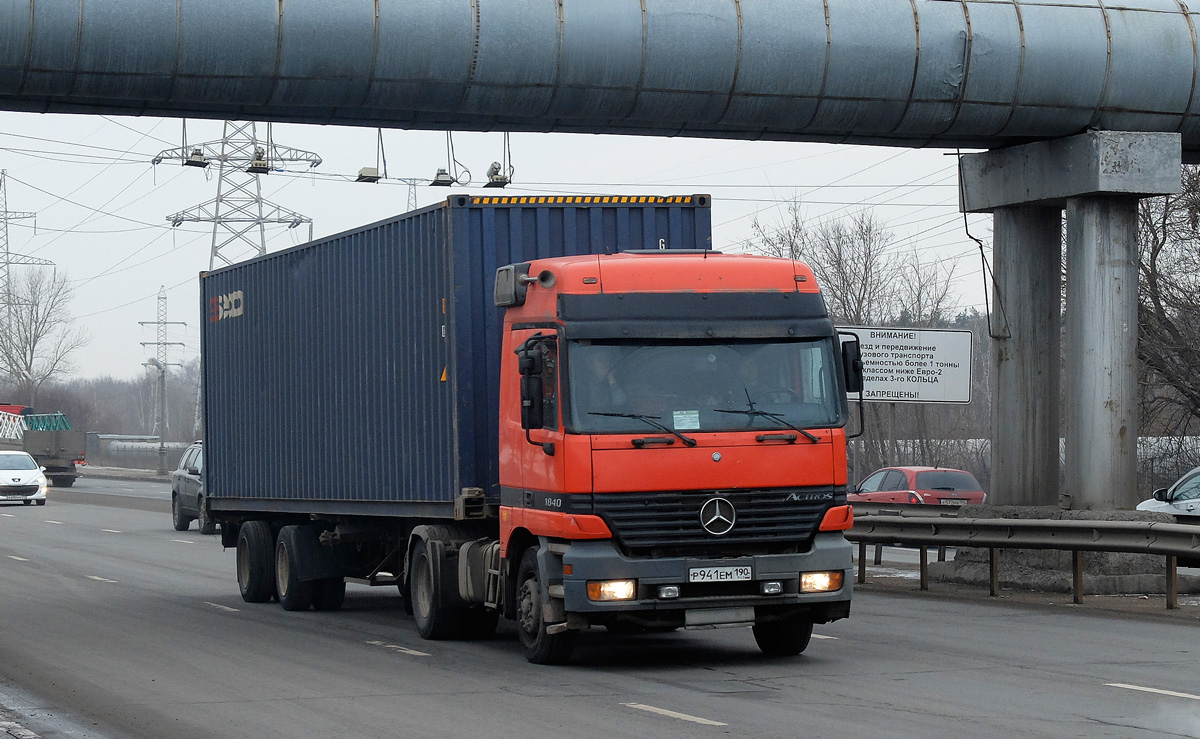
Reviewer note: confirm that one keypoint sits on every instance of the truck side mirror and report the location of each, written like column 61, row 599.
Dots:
column 852, row 366
column 532, row 406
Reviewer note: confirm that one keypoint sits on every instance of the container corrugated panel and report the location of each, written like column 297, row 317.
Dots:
column 359, row 374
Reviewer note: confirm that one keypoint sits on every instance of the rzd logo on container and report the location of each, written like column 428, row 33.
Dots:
column 225, row 306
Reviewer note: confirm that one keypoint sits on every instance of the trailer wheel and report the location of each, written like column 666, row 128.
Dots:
column 255, row 563
column 62, row 481
column 180, row 521
column 294, row 595
column 328, row 594
column 206, row 525
column 785, row 638
column 433, row 622
column 541, row 648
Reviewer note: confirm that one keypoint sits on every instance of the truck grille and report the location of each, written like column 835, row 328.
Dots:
column 668, row 523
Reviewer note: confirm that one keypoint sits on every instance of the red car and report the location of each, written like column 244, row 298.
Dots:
column 935, row 485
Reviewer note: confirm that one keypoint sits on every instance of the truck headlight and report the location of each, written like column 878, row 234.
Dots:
column 820, row 582
column 611, row 589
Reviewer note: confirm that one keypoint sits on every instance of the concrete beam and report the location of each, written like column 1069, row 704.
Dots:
column 1047, row 173
column 1026, row 320
column 1101, row 353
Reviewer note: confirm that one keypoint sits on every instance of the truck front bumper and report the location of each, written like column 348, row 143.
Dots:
column 664, row 594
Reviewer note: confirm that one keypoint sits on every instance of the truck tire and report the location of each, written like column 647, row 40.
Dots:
column 178, row 519
column 541, row 648
column 62, row 481
column 785, row 638
column 207, row 526
column 328, row 594
column 255, row 562
column 294, row 594
column 433, row 621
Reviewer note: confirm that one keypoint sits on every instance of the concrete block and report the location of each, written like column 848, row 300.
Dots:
column 1048, row 172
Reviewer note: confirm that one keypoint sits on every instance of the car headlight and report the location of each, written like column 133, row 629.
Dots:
column 43, row 484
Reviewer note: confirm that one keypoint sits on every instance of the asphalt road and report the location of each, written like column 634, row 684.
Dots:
column 115, row 625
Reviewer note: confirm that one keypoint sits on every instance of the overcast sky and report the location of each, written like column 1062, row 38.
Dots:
column 101, row 206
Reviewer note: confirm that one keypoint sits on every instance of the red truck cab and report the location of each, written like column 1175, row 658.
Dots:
column 672, row 447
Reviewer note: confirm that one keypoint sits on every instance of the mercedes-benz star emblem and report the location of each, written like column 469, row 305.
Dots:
column 717, row 516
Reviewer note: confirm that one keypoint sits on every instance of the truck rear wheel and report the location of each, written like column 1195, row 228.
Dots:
column 541, row 647
column 433, row 621
column 255, row 562
column 62, row 481
column 294, row 594
column 785, row 638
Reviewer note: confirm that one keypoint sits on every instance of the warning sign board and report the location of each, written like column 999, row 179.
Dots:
column 909, row 365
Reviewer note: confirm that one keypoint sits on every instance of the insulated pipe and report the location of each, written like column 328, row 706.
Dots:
column 975, row 73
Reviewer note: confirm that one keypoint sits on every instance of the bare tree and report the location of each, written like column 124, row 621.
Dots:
column 40, row 335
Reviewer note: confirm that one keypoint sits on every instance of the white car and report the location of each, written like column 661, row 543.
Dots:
column 21, row 479
column 1181, row 500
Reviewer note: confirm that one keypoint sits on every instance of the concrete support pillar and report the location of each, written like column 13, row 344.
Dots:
column 1098, row 177
column 1101, row 353
column 1026, row 248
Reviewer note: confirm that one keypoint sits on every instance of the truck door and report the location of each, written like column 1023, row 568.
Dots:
column 534, row 430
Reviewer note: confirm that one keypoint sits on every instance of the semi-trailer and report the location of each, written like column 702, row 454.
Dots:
column 565, row 410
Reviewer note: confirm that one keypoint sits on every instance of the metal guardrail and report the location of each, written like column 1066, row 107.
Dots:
column 1170, row 540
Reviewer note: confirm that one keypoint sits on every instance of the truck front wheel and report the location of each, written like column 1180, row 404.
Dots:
column 541, row 647
column 255, row 562
column 785, row 638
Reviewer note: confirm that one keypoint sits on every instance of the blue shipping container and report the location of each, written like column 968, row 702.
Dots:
column 359, row 374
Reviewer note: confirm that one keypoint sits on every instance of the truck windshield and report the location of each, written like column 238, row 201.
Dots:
column 702, row 386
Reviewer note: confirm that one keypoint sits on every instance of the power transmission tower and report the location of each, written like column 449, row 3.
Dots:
column 7, row 256
column 160, row 363
column 239, row 210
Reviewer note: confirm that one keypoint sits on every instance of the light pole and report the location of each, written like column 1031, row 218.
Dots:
column 162, row 412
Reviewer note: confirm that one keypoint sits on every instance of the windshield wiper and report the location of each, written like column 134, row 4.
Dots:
column 650, row 420
column 776, row 417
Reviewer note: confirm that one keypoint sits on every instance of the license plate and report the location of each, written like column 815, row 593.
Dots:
column 952, row 501
column 720, row 574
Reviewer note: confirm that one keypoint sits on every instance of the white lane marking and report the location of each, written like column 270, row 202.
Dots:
column 822, row 636
column 56, row 523
column 183, row 541
column 111, row 531
column 221, row 607
column 398, row 648
column 7, row 515
column 19, row 559
column 99, row 579
column 1171, row 693
column 673, row 714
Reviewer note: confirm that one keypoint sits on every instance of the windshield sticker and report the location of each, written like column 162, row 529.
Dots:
column 687, row 420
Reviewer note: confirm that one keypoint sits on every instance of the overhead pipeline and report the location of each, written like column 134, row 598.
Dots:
column 973, row 73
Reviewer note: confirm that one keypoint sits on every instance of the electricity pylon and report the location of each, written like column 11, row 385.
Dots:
column 160, row 423
column 7, row 256
column 239, row 209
